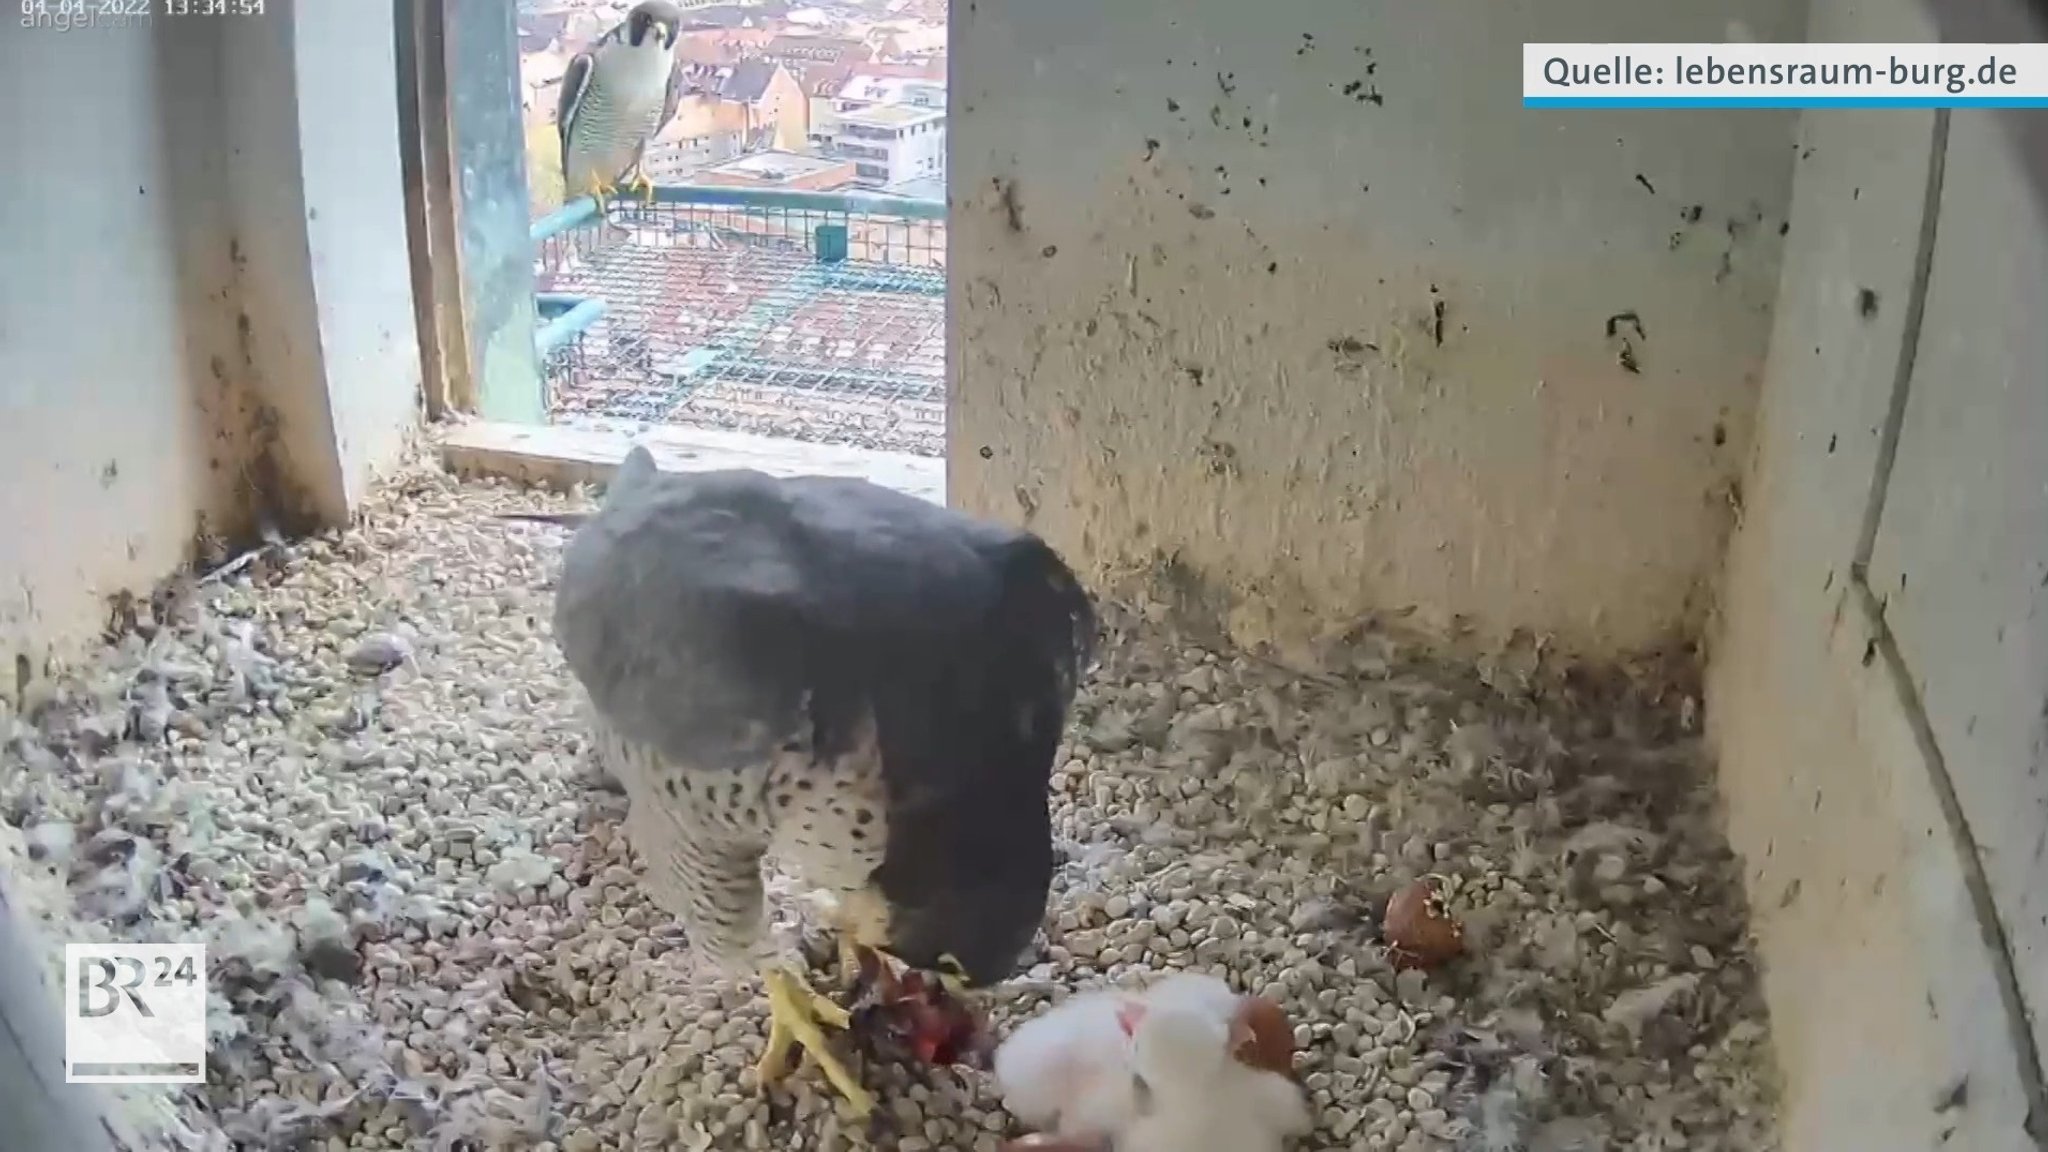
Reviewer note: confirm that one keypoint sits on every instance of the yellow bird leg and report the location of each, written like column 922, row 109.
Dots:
column 600, row 189
column 849, row 959
column 641, row 184
column 799, row 1016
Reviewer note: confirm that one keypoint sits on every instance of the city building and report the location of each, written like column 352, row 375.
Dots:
column 893, row 144
column 846, row 89
column 726, row 111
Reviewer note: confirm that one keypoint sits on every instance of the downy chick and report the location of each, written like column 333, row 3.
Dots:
column 1068, row 1072
column 1260, row 1035
column 1195, row 1096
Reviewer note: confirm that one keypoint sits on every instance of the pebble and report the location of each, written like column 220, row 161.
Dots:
column 383, row 722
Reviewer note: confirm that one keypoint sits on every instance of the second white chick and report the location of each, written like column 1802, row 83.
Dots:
column 1197, row 1097
column 1068, row 1072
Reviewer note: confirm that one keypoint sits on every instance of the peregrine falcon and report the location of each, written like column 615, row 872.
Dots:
column 868, row 687
column 617, row 95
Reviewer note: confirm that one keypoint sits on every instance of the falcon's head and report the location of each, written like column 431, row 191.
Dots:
column 657, row 18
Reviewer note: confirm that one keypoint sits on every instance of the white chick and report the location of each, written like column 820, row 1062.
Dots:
column 1197, row 1097
column 1197, row 992
column 1068, row 1072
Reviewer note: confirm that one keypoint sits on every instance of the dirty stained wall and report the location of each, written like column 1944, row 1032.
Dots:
column 182, row 345
column 123, row 412
column 1306, row 302
column 1877, row 690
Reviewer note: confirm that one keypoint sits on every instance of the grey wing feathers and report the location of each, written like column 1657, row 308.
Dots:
column 673, row 98
column 717, row 613
column 685, row 620
column 575, row 81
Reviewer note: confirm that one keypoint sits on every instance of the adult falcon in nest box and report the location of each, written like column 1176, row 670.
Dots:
column 617, row 95
column 867, row 686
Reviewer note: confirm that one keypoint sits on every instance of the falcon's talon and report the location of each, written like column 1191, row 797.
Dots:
column 798, row 1017
column 952, row 975
column 642, row 185
column 848, row 972
column 601, row 190
column 853, row 965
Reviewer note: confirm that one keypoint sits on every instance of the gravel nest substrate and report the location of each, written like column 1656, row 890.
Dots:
column 354, row 767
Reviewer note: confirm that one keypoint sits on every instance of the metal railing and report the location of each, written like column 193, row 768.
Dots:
column 813, row 315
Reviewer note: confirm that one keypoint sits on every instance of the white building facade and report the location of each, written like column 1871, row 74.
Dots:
column 893, row 144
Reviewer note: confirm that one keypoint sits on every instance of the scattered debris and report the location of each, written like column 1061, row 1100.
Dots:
column 1619, row 320
column 1007, row 200
column 379, row 653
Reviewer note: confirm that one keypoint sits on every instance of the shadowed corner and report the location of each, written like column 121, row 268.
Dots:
column 2004, row 22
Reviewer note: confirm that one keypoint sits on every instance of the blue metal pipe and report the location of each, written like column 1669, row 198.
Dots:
column 583, row 210
column 856, row 203
column 569, row 217
column 567, row 317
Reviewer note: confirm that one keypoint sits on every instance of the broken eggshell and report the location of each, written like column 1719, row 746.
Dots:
column 1269, row 1043
column 1419, row 932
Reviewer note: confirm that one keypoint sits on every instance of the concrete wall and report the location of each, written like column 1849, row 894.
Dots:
column 181, row 340
column 1308, row 303
column 355, row 232
column 313, row 166
column 124, row 410
column 1883, row 739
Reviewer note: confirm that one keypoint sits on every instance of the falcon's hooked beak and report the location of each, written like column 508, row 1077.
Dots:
column 649, row 16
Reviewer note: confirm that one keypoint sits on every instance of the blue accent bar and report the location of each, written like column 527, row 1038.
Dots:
column 1785, row 101
column 565, row 317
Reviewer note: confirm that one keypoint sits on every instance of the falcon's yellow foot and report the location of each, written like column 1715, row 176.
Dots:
column 600, row 190
column 642, row 185
column 952, row 976
column 798, row 1017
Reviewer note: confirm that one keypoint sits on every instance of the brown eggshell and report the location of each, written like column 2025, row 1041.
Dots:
column 1270, row 1047
column 1418, row 932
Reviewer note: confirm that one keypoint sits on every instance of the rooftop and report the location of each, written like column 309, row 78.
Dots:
column 817, row 49
column 922, row 188
column 891, row 116
column 745, row 81
column 867, row 85
column 776, row 165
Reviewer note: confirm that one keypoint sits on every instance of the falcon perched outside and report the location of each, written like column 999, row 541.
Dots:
column 616, row 96
column 868, row 686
